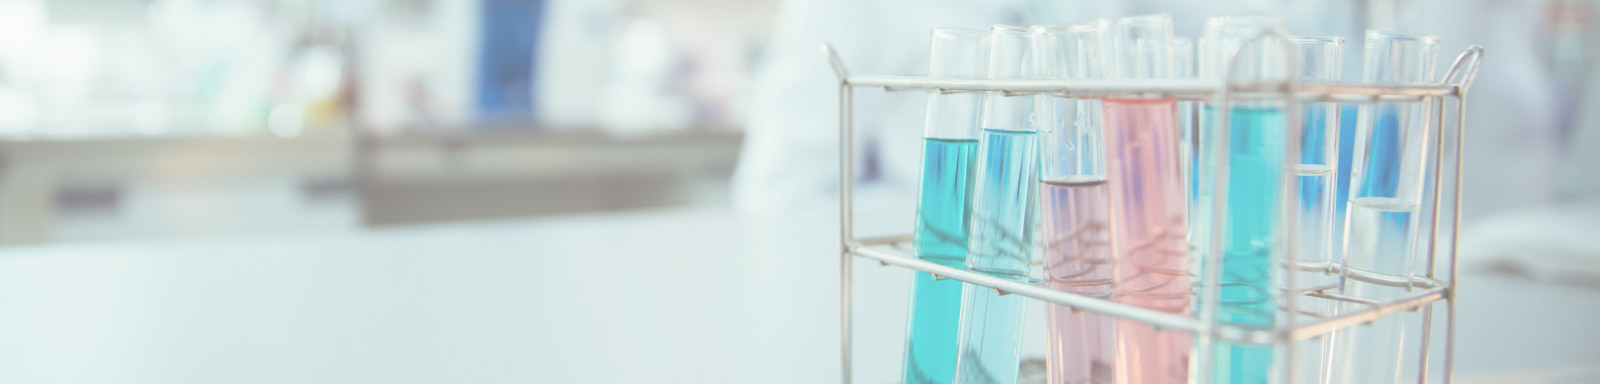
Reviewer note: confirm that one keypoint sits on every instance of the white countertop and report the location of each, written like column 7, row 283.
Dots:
column 681, row 295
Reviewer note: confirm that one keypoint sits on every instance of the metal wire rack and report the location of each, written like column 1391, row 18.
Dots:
column 1425, row 289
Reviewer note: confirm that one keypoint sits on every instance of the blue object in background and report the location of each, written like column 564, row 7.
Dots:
column 1347, row 142
column 508, row 37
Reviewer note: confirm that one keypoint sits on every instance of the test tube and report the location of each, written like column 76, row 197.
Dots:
column 1183, row 61
column 1003, row 217
column 1387, row 174
column 944, row 208
column 1321, row 59
column 1146, row 195
column 1247, row 159
column 1219, row 42
column 1072, row 204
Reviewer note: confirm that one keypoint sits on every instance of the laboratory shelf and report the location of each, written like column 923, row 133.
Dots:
column 1437, row 284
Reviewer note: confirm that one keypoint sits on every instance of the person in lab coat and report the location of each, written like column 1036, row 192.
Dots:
column 790, row 155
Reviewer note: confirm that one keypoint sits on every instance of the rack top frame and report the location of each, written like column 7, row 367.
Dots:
column 1453, row 84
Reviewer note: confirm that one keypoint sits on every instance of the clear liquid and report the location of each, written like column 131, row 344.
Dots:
column 1001, row 243
column 991, row 334
column 1077, row 251
column 1150, row 249
column 1315, row 200
column 1379, row 239
column 1315, row 242
column 1381, row 232
column 1003, row 212
column 944, row 208
column 1247, row 293
column 1314, row 188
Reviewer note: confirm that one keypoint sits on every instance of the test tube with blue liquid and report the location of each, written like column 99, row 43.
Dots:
column 944, row 208
column 1321, row 59
column 1146, row 196
column 1074, row 217
column 1388, row 173
column 1245, row 165
column 1003, row 217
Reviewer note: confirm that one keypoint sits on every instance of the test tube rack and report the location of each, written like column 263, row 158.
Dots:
column 1429, row 288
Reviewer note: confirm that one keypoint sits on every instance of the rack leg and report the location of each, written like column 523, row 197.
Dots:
column 1450, row 337
column 846, row 219
column 844, row 316
column 1427, row 328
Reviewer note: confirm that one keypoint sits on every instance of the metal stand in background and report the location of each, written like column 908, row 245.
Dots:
column 1424, row 290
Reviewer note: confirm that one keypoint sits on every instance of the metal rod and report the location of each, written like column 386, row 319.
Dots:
column 846, row 189
column 880, row 240
column 1465, row 82
column 1367, row 315
column 1152, row 317
column 1436, row 104
column 1190, row 89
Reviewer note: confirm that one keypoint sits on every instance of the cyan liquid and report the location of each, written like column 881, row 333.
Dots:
column 944, row 208
column 931, row 334
column 1001, row 244
column 1248, row 293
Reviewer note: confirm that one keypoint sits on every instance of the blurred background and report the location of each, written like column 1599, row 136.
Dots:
column 135, row 118
column 553, row 190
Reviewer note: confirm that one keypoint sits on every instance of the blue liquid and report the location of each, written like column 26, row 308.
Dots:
column 1248, row 293
column 1001, row 244
column 991, row 336
column 931, row 336
column 944, row 209
column 1003, row 203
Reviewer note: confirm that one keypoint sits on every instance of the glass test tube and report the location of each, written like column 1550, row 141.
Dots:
column 1321, row 59
column 1253, row 148
column 1072, row 203
column 1003, row 216
column 1387, row 177
column 944, row 208
column 1219, row 42
column 1183, row 66
column 1148, row 228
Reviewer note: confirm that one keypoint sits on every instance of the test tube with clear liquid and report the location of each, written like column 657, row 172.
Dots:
column 1003, row 217
column 1074, row 217
column 1245, row 164
column 944, row 208
column 1146, row 196
column 1388, row 170
column 1321, row 59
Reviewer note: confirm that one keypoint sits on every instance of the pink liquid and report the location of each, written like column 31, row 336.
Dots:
column 1078, row 260
column 1148, row 231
